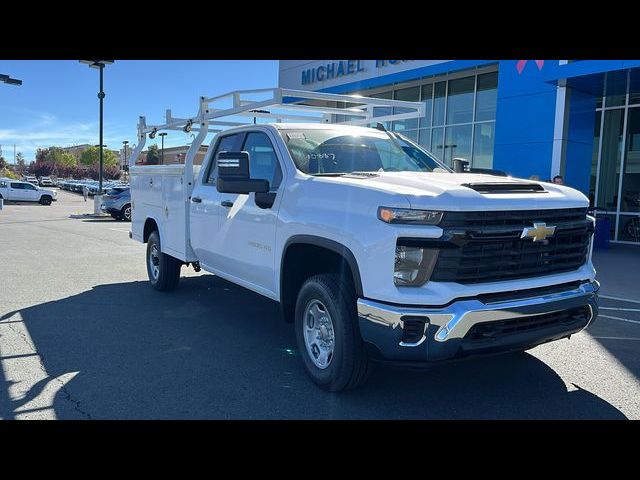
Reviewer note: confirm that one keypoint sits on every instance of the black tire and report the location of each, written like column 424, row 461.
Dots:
column 349, row 366
column 168, row 267
column 45, row 200
column 125, row 213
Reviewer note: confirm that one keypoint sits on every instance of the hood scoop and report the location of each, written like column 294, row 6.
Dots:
column 505, row 188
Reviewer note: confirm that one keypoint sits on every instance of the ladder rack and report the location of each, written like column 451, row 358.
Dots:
column 278, row 104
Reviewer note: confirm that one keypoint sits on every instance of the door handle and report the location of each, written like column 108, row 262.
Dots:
column 196, row 199
column 226, row 203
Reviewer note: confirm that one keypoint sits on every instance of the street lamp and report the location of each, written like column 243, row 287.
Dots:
column 126, row 165
column 10, row 81
column 99, row 64
column 163, row 134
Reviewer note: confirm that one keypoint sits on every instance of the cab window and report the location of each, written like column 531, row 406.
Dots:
column 263, row 161
column 228, row 143
column 17, row 186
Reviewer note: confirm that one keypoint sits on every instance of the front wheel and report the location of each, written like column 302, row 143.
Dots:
column 45, row 200
column 327, row 333
column 163, row 269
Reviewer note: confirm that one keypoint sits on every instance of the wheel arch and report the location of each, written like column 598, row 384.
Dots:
column 150, row 224
column 327, row 256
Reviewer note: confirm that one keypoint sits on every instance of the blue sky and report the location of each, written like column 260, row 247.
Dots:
column 57, row 103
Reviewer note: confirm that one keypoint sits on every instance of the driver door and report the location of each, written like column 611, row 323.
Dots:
column 248, row 224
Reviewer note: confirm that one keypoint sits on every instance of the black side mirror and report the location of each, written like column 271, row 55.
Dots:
column 460, row 165
column 234, row 176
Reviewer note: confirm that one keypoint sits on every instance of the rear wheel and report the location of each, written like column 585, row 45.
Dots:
column 45, row 200
column 327, row 333
column 163, row 269
column 125, row 213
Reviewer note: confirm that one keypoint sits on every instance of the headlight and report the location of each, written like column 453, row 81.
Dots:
column 409, row 216
column 413, row 265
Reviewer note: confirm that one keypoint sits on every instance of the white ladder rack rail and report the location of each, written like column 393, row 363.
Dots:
column 209, row 116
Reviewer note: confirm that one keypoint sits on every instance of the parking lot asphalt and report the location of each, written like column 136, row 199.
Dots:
column 83, row 335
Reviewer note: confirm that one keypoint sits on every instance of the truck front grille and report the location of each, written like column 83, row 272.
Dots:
column 491, row 248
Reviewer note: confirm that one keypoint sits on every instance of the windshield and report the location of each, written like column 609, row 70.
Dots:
column 334, row 152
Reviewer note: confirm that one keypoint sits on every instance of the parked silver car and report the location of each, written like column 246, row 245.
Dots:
column 117, row 202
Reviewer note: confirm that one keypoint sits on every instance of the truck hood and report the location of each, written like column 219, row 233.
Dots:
column 459, row 191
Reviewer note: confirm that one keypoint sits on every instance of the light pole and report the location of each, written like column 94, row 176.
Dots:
column 126, row 165
column 99, row 64
column 163, row 134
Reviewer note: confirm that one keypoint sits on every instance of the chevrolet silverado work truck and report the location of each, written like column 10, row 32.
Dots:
column 374, row 249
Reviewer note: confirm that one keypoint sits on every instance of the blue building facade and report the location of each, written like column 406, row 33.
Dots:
column 575, row 118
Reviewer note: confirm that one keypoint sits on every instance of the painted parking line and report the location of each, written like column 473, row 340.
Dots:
column 621, row 309
column 617, row 338
column 637, row 322
column 608, row 297
column 119, row 230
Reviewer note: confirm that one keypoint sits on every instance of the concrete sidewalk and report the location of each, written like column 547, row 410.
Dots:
column 619, row 270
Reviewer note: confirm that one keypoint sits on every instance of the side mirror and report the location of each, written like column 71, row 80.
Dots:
column 460, row 165
column 234, row 176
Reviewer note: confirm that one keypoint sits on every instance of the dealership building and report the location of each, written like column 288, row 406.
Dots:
column 576, row 118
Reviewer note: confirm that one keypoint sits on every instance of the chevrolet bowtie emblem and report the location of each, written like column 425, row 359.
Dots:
column 538, row 232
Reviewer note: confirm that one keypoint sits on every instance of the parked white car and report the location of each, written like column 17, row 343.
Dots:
column 17, row 191
column 46, row 182
column 374, row 249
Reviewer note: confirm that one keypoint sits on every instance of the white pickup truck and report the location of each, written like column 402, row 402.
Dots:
column 17, row 191
column 374, row 249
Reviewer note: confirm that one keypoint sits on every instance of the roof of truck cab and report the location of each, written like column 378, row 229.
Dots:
column 321, row 126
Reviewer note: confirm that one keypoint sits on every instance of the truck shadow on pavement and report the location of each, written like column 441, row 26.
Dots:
column 211, row 349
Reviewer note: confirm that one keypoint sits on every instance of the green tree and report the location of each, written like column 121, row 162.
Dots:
column 153, row 155
column 3, row 163
column 67, row 160
column 91, row 157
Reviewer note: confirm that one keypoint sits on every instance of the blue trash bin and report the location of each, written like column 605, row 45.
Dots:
column 602, row 233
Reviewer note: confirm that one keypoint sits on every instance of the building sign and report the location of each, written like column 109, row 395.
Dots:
column 316, row 75
column 340, row 69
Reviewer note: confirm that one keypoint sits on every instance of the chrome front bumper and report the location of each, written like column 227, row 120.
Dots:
column 446, row 327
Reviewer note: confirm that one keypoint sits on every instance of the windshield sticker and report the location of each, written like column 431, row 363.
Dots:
column 321, row 156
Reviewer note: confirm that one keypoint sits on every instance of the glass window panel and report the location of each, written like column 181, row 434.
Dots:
column 483, row 145
column 424, row 138
column 629, row 228
column 440, row 91
column 610, row 160
column 411, row 94
column 411, row 134
column 612, row 221
column 437, row 140
column 383, row 111
column 487, row 96
column 594, row 159
column 634, row 87
column 615, row 89
column 427, row 99
column 460, row 100
column 631, row 178
column 457, row 143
